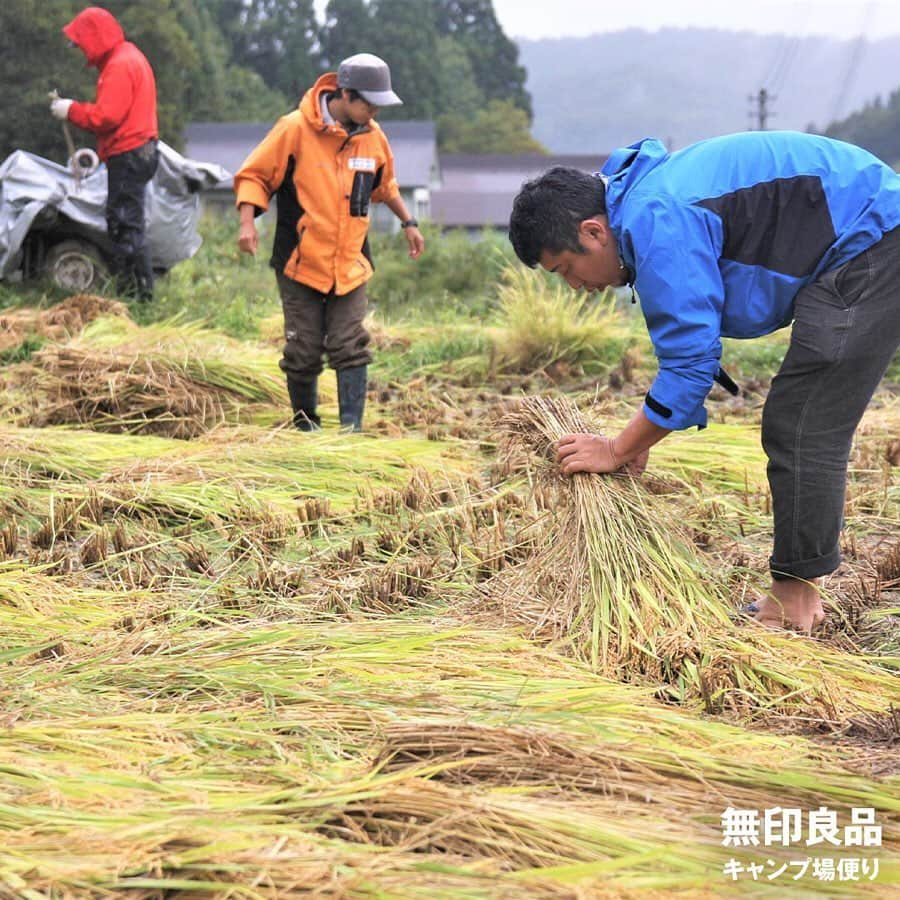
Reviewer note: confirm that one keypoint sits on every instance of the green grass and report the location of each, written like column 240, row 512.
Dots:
column 436, row 350
column 229, row 290
column 22, row 352
column 32, row 293
column 455, row 274
column 761, row 357
column 543, row 323
column 756, row 358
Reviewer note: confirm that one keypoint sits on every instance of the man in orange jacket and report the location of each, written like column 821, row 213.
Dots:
column 124, row 120
column 325, row 163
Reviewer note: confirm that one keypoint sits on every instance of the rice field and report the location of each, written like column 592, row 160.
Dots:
column 243, row 662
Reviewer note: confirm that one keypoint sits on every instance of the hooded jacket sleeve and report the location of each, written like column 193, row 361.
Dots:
column 115, row 96
column 263, row 170
column 676, row 250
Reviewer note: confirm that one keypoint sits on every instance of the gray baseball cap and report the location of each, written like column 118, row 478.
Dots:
column 370, row 75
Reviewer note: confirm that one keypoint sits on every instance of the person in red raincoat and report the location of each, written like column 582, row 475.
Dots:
column 123, row 117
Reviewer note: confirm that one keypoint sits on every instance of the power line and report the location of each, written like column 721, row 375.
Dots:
column 780, row 74
column 857, row 51
column 786, row 51
column 760, row 110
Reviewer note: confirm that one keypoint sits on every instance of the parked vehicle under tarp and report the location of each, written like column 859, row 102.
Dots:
column 53, row 218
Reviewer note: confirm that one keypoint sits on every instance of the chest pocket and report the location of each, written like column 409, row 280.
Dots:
column 364, row 182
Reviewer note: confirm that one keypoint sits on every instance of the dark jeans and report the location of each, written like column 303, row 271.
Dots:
column 846, row 330
column 317, row 323
column 127, row 177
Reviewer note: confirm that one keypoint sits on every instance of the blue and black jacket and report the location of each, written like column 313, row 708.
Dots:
column 722, row 235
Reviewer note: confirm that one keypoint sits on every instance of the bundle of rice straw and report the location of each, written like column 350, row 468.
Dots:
column 170, row 379
column 621, row 575
column 618, row 585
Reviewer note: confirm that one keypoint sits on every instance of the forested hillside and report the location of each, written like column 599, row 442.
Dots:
column 875, row 127
column 250, row 60
column 605, row 90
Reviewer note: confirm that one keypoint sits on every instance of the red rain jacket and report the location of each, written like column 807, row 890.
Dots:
column 124, row 114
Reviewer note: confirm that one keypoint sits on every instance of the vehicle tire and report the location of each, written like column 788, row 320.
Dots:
column 76, row 266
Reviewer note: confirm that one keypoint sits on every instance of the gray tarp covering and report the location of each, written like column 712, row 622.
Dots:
column 30, row 184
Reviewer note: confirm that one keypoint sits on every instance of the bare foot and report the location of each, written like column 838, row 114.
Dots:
column 791, row 603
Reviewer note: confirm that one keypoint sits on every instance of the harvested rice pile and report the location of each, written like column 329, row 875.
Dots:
column 173, row 380
column 373, row 757
column 59, row 322
column 617, row 583
column 130, row 392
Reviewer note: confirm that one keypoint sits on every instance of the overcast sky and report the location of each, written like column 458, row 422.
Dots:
column 838, row 18
column 555, row 18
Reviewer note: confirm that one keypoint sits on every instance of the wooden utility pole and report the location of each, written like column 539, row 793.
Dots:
column 760, row 112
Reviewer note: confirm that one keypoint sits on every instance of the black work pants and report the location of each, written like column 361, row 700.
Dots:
column 127, row 176
column 846, row 330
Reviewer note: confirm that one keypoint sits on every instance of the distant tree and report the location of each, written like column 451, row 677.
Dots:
column 300, row 62
column 493, row 56
column 404, row 33
column 349, row 28
column 498, row 127
column 230, row 17
column 458, row 91
column 224, row 91
column 205, row 96
column 407, row 37
column 249, row 99
column 276, row 38
column 876, row 127
column 34, row 59
column 450, row 61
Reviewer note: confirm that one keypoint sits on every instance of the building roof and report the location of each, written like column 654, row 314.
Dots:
column 415, row 152
column 414, row 145
column 477, row 190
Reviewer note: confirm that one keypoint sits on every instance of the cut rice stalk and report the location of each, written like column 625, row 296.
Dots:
column 618, row 583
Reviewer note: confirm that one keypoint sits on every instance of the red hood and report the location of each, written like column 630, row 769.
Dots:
column 96, row 32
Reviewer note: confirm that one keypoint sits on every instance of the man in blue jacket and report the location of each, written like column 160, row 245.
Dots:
column 739, row 236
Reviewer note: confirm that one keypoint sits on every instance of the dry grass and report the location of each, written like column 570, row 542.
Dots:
column 123, row 393
column 170, row 379
column 245, row 666
column 60, row 322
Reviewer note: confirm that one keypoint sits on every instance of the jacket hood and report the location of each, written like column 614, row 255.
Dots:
column 96, row 32
column 311, row 105
column 626, row 168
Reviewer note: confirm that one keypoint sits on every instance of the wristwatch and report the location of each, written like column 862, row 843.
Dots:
column 410, row 223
